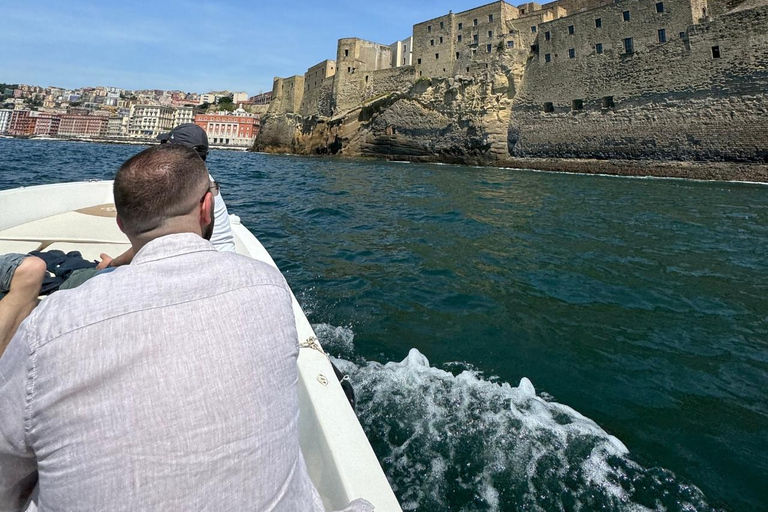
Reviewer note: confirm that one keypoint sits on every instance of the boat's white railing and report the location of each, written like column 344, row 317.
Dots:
column 340, row 460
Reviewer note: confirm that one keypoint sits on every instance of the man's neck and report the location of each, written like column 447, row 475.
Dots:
column 171, row 227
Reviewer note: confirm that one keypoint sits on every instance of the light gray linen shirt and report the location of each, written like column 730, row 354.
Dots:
column 168, row 384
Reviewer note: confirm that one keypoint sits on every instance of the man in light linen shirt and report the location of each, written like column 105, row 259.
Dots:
column 169, row 384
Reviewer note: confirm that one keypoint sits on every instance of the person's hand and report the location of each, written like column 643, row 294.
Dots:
column 106, row 259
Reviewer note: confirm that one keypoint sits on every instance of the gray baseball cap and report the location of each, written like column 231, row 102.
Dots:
column 189, row 135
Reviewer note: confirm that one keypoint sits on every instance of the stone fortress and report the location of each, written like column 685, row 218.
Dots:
column 591, row 79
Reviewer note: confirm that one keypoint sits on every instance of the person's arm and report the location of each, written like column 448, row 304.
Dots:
column 123, row 259
column 18, row 467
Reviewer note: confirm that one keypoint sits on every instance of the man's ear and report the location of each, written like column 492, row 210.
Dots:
column 206, row 209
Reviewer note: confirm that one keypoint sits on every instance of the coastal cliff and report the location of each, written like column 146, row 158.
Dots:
column 461, row 120
column 698, row 99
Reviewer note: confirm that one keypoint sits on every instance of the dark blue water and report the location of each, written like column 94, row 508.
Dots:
column 478, row 309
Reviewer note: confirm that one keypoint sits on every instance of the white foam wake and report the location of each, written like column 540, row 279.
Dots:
column 460, row 442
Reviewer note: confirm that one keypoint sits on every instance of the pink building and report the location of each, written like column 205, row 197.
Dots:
column 47, row 124
column 75, row 125
column 22, row 123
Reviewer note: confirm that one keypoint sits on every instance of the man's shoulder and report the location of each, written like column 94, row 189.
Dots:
column 246, row 267
column 136, row 288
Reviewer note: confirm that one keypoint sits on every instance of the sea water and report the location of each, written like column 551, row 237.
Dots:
column 517, row 340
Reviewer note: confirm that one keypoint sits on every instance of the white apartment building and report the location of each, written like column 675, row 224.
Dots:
column 117, row 127
column 214, row 96
column 5, row 120
column 149, row 121
column 239, row 97
column 183, row 115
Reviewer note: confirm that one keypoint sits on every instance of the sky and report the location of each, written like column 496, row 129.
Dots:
column 192, row 46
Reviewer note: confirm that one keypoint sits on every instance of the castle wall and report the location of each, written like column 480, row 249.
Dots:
column 313, row 78
column 457, row 43
column 366, row 86
column 318, row 101
column 287, row 94
column 354, row 55
column 674, row 100
column 606, row 30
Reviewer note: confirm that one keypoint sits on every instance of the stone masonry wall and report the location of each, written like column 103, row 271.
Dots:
column 703, row 96
column 318, row 100
column 287, row 95
column 364, row 86
column 576, row 36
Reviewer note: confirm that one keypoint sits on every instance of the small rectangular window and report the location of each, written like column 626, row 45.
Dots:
column 441, row 24
column 441, row 39
column 474, row 22
column 533, row 29
column 431, row 42
column 419, row 61
column 549, row 107
column 625, row 14
column 659, row 6
column 570, row 29
column 461, row 26
column 490, row 33
column 475, row 38
column 608, row 102
column 547, row 57
column 490, row 18
column 571, row 53
column 577, row 105
column 429, row 28
column 715, row 52
column 682, row 35
column 510, row 44
column 458, row 38
column 629, row 46
column 457, row 55
column 662, row 35
column 598, row 22
column 547, row 35
column 346, row 53
column 437, row 56
column 599, row 48
column 488, row 48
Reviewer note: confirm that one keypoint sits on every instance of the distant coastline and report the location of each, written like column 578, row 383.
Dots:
column 746, row 172
column 125, row 141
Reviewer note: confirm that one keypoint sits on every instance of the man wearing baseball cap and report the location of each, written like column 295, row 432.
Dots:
column 191, row 136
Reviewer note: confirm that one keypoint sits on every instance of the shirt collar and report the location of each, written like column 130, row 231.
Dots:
column 169, row 246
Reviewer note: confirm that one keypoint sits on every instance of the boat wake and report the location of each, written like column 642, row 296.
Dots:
column 454, row 440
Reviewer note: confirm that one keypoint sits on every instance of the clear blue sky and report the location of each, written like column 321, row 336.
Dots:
column 192, row 46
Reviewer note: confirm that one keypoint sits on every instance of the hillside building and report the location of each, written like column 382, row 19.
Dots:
column 5, row 120
column 149, row 121
column 77, row 125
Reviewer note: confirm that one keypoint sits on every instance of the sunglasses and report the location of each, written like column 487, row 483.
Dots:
column 213, row 189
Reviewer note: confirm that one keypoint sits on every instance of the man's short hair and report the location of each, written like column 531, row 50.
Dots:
column 157, row 184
